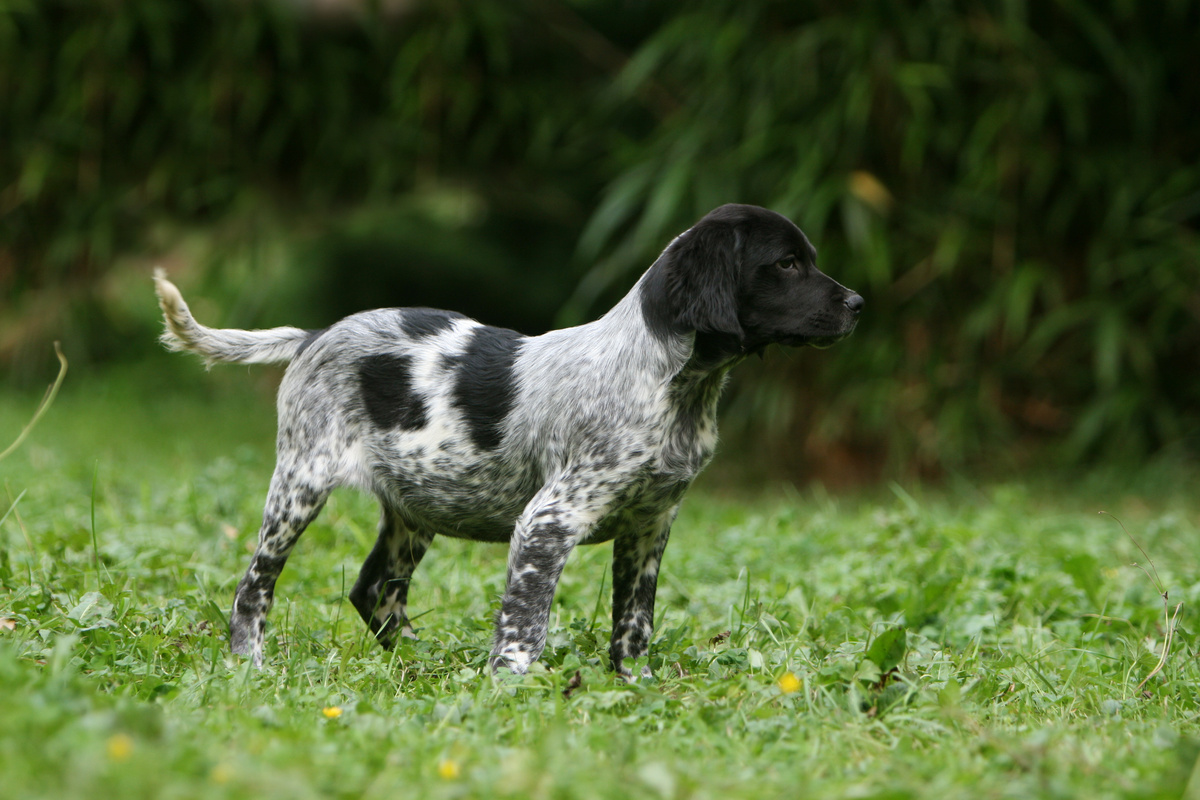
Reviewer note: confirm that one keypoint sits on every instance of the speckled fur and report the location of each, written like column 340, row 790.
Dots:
column 578, row 436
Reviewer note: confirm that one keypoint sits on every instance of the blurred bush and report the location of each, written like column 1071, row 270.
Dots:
column 1014, row 187
column 121, row 121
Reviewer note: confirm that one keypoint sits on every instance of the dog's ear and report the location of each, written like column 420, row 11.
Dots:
column 702, row 271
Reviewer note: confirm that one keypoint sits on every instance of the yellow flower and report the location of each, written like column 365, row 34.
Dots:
column 120, row 747
column 788, row 683
column 332, row 712
column 448, row 769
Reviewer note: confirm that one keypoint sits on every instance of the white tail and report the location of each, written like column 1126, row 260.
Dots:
column 229, row 345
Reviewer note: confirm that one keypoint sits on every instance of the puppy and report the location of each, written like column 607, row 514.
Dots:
column 578, row 436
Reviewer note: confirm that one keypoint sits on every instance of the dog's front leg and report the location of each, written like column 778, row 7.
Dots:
column 637, row 555
column 535, row 563
column 553, row 523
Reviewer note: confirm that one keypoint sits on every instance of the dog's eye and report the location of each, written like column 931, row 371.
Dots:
column 791, row 262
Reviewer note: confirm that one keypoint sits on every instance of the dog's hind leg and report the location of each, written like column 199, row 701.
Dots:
column 291, row 505
column 381, row 592
column 637, row 556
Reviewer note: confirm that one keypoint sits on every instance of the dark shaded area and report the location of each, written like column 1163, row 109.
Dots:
column 484, row 384
column 507, row 271
column 420, row 323
column 385, row 380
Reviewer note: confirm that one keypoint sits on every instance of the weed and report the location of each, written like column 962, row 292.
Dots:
column 975, row 643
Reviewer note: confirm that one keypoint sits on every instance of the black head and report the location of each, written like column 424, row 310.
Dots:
column 748, row 276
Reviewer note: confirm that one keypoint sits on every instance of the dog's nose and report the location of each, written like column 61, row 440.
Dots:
column 854, row 302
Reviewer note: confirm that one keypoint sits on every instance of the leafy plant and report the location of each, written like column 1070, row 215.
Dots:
column 1014, row 187
column 796, row 646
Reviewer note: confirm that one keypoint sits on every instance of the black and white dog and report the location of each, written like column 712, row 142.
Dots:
column 578, row 436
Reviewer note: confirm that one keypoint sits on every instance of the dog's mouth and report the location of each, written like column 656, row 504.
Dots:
column 821, row 342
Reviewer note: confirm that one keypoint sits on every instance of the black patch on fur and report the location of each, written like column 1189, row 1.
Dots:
column 484, row 385
column 312, row 337
column 418, row 323
column 385, row 381
column 694, row 284
column 664, row 319
column 702, row 274
column 656, row 306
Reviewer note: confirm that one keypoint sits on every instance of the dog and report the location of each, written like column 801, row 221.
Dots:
column 578, row 436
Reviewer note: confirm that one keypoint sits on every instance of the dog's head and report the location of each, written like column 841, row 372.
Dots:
column 749, row 276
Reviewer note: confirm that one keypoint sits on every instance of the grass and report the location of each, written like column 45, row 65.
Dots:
column 976, row 641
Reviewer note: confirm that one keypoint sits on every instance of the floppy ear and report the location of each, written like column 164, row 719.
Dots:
column 702, row 278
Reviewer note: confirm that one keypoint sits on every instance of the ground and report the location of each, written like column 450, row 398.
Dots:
column 982, row 638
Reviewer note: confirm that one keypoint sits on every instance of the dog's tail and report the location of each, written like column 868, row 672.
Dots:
column 273, row 346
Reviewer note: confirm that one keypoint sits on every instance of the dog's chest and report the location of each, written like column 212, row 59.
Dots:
column 648, row 498
column 690, row 425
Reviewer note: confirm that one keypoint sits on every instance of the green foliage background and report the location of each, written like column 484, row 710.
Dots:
column 1013, row 186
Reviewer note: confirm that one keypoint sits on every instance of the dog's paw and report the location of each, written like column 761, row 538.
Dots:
column 643, row 673
column 390, row 636
column 513, row 657
column 248, row 648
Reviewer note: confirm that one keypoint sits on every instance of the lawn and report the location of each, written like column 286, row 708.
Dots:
column 981, row 639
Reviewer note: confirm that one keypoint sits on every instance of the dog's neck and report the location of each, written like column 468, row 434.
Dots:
column 694, row 389
column 692, row 366
column 686, row 359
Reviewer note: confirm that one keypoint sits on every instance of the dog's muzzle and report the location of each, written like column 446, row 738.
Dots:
column 854, row 303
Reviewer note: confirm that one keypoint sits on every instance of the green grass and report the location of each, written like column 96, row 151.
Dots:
column 977, row 641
